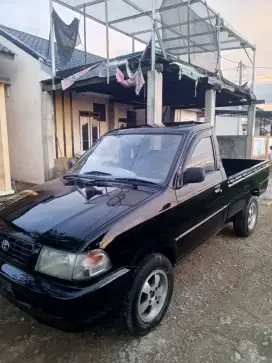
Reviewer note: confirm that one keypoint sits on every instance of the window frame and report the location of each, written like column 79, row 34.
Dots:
column 213, row 153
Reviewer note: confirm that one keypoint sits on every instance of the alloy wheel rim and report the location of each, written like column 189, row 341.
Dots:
column 152, row 296
column 252, row 216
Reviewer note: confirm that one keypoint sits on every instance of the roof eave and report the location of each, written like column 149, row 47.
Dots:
column 7, row 55
column 19, row 44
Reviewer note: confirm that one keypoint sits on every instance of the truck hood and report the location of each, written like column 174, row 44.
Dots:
column 70, row 211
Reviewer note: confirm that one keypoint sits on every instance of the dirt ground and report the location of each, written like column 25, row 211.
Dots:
column 221, row 312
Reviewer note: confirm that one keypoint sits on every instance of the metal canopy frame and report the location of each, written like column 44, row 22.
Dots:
column 141, row 20
column 142, row 10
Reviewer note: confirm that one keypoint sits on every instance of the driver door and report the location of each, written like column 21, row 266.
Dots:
column 200, row 207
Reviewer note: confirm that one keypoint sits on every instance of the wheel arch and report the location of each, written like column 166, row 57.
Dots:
column 165, row 247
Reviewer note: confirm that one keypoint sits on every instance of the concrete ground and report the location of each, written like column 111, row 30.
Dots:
column 221, row 312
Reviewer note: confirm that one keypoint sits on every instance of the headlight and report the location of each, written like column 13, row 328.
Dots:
column 72, row 266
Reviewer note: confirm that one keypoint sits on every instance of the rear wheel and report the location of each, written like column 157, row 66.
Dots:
column 150, row 295
column 245, row 222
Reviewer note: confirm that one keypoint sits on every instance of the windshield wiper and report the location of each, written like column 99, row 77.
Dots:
column 97, row 172
column 92, row 179
column 75, row 176
column 135, row 181
column 85, row 176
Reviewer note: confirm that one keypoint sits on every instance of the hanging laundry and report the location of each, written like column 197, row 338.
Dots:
column 139, row 80
column 67, row 37
column 130, row 74
column 137, row 76
column 69, row 81
column 190, row 72
column 134, row 79
column 120, row 78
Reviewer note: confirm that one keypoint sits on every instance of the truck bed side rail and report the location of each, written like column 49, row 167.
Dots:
column 236, row 178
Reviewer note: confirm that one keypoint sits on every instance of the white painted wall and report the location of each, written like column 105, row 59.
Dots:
column 228, row 125
column 24, row 115
column 232, row 125
column 185, row 115
column 48, row 131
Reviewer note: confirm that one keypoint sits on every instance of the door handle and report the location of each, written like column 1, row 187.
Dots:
column 218, row 189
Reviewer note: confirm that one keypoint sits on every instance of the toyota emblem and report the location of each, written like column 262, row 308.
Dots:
column 5, row 245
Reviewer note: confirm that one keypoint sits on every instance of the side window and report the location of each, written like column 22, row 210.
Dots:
column 203, row 156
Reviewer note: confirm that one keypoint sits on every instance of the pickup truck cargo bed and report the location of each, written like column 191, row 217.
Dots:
column 235, row 166
column 251, row 175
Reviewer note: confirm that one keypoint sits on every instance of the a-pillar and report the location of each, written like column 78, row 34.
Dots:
column 210, row 103
column 154, row 98
column 251, row 117
column 5, row 179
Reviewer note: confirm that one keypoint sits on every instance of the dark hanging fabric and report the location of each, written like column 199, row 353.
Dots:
column 146, row 55
column 67, row 37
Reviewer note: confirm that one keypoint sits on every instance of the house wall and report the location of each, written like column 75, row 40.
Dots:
column 24, row 115
column 83, row 102
column 228, row 125
column 185, row 115
column 232, row 125
column 67, row 128
column 233, row 147
column 141, row 117
column 5, row 180
column 48, row 131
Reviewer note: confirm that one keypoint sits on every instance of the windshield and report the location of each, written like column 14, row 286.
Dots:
column 146, row 157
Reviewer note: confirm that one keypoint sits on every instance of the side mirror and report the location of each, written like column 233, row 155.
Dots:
column 193, row 175
column 270, row 148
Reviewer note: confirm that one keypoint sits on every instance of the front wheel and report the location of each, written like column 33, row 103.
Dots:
column 150, row 295
column 246, row 221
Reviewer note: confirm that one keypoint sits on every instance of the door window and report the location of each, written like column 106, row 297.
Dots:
column 85, row 133
column 89, row 129
column 203, row 156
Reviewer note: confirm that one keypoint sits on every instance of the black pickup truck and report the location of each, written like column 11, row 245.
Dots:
column 105, row 237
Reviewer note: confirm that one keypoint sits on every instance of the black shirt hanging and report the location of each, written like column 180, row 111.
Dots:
column 67, row 37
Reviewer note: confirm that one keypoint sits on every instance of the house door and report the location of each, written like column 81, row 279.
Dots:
column 89, row 129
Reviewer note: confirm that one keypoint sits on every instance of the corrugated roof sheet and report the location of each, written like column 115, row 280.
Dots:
column 40, row 48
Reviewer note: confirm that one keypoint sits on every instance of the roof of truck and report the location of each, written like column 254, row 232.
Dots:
column 173, row 128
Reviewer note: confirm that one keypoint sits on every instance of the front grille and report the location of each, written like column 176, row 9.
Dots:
column 19, row 250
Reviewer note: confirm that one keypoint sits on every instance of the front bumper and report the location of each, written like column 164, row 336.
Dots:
column 63, row 306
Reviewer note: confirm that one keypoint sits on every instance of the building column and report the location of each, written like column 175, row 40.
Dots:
column 111, row 115
column 210, row 103
column 154, row 98
column 251, row 117
column 48, row 132
column 5, row 178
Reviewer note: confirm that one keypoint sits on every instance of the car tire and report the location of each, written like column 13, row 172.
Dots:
column 245, row 221
column 150, row 295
